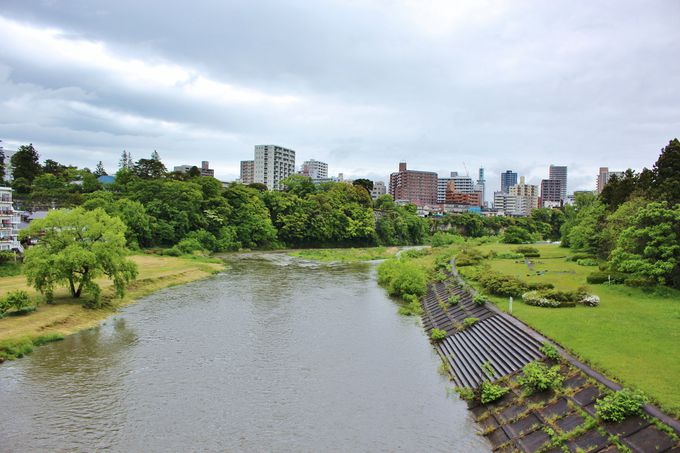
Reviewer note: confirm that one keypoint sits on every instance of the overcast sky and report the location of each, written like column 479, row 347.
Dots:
column 360, row 84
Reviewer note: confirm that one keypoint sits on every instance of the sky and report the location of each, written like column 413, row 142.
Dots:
column 362, row 85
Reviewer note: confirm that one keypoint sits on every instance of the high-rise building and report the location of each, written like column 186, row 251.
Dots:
column 273, row 164
column 481, row 184
column 247, row 171
column 526, row 197
column 504, row 202
column 9, row 223
column 603, row 177
column 8, row 162
column 462, row 184
column 551, row 193
column 454, row 196
column 419, row 187
column 559, row 173
column 315, row 169
column 508, row 179
column 206, row 170
column 378, row 189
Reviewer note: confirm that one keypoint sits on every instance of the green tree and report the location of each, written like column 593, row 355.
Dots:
column 100, row 170
column 250, row 217
column 299, row 185
column 516, row 235
column 666, row 174
column 618, row 190
column 365, row 183
column 76, row 247
column 150, row 168
column 650, row 246
column 26, row 163
column 2, row 166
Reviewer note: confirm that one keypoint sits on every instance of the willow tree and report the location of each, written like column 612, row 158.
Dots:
column 75, row 247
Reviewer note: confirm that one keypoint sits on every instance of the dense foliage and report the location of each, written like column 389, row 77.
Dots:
column 538, row 377
column 617, row 406
column 75, row 248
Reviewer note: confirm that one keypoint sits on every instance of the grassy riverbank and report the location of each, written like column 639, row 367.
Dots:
column 346, row 254
column 67, row 315
column 633, row 336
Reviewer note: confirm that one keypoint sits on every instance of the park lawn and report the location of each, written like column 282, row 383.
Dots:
column 346, row 254
column 633, row 336
column 67, row 315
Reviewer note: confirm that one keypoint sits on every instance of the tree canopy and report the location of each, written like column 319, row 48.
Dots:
column 74, row 248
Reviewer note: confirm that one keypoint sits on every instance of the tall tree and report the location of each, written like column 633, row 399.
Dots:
column 150, row 168
column 365, row 183
column 26, row 163
column 100, row 170
column 76, row 247
column 667, row 174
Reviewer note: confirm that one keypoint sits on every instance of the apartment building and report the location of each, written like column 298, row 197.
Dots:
column 603, row 177
column 526, row 197
column 247, row 171
column 273, row 164
column 551, row 193
column 9, row 223
column 418, row 187
column 462, row 184
column 315, row 169
column 378, row 190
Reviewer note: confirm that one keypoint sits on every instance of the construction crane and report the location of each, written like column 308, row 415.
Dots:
column 467, row 173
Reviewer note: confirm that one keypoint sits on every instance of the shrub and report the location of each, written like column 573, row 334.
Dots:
column 416, row 253
column 491, row 392
column 528, row 252
column 501, row 285
column 469, row 322
column 441, row 238
column 509, row 256
column 580, row 256
column 617, row 406
column 586, row 262
column 438, row 334
column 465, row 393
column 550, row 351
column 18, row 300
column 453, row 300
column 538, row 377
column 590, row 300
column 479, row 300
column 639, row 282
column 469, row 257
column 536, row 299
column 516, row 235
column 539, row 285
column 598, row 277
column 7, row 257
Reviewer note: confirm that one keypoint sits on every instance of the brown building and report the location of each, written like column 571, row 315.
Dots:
column 247, row 171
column 453, row 196
column 551, row 193
column 419, row 187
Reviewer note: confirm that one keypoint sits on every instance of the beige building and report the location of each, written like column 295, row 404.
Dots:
column 526, row 197
column 247, row 171
column 9, row 223
column 273, row 164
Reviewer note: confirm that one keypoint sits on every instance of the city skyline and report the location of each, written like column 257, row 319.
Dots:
column 82, row 82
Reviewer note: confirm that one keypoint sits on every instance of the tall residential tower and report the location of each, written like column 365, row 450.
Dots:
column 273, row 164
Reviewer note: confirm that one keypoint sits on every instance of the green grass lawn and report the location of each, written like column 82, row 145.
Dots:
column 633, row 336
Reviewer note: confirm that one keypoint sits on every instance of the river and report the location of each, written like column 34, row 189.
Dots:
column 274, row 354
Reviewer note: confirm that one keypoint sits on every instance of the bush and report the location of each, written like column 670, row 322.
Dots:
column 441, row 238
column 617, row 406
column 19, row 301
column 401, row 278
column 7, row 257
column 590, row 300
column 539, row 285
column 454, row 300
column 438, row 334
column 491, row 392
column 599, row 277
column 516, row 235
column 550, row 351
column 469, row 257
column 469, row 322
column 537, row 377
column 536, row 299
column 501, row 285
column 509, row 256
column 465, row 393
column 637, row 282
column 479, row 300
column 580, row 256
column 586, row 262
column 528, row 252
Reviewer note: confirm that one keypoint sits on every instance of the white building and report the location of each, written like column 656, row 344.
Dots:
column 273, row 164
column 504, row 202
column 379, row 189
column 315, row 169
column 526, row 197
column 9, row 222
column 462, row 184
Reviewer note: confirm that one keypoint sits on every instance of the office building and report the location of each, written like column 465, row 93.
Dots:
column 508, row 179
column 481, row 184
column 604, row 176
column 9, row 223
column 551, row 193
column 182, row 168
column 247, row 172
column 559, row 173
column 273, row 164
column 378, row 190
column 504, row 202
column 315, row 169
column 419, row 187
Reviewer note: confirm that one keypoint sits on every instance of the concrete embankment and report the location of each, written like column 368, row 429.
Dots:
column 557, row 420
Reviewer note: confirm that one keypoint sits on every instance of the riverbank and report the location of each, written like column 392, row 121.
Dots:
column 632, row 336
column 67, row 315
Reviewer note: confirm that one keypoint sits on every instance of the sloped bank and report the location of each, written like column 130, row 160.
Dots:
column 496, row 348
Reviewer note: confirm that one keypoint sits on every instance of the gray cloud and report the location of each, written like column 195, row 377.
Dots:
column 362, row 85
